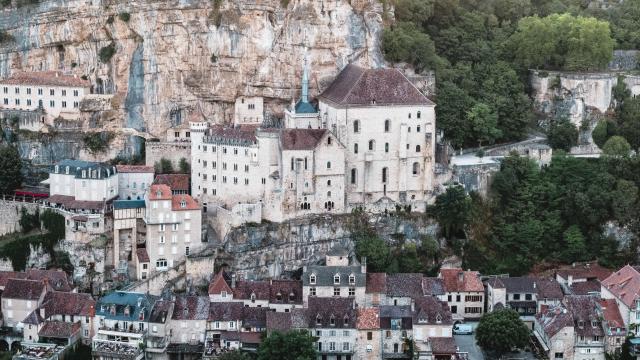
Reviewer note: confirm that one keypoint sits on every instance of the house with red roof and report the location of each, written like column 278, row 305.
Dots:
column 464, row 293
column 623, row 286
column 614, row 329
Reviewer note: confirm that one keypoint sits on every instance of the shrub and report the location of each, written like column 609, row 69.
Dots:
column 125, row 16
column 74, row 64
column 107, row 52
column 97, row 142
column 5, row 37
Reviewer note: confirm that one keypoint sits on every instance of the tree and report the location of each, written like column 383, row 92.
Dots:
column 405, row 42
column 616, row 146
column 10, row 169
column 624, row 201
column 164, row 166
column 292, row 345
column 184, row 166
column 234, row 355
column 409, row 261
column 375, row 250
column 501, row 331
column 484, row 122
column 602, row 132
column 629, row 122
column 452, row 210
column 562, row 135
column 575, row 247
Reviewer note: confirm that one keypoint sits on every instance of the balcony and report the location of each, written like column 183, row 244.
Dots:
column 157, row 344
column 118, row 331
column 116, row 350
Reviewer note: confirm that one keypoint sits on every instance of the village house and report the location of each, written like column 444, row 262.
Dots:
column 396, row 326
column 624, row 287
column 129, row 231
column 332, row 320
column 554, row 329
column 589, row 342
column 21, row 297
column 248, row 110
column 577, row 272
column 464, row 293
column 369, row 336
column 134, row 181
column 188, row 325
column 158, row 330
column 517, row 293
column 549, row 293
column 179, row 183
column 615, row 332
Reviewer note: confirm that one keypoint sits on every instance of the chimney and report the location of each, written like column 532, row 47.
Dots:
column 534, row 284
column 363, row 265
column 570, row 280
column 413, row 306
column 233, row 281
column 461, row 276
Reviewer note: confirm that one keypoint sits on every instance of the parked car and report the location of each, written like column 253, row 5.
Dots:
column 462, row 329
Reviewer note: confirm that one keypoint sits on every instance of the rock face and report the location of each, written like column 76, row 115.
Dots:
column 183, row 56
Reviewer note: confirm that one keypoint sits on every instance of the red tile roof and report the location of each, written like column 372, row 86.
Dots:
column 443, row 345
column 143, row 255
column 134, row 169
column 301, row 139
column 58, row 279
column 59, row 329
column 368, row 318
column 586, row 271
column 160, row 192
column 177, row 182
column 611, row 313
column 470, row 281
column 45, row 78
column 68, row 303
column 624, row 284
column 23, row 289
column 219, row 284
column 357, row 86
column 553, row 320
column 189, row 203
column 376, row 283
column 6, row 275
column 549, row 289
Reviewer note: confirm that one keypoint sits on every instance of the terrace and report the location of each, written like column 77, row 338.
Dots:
column 39, row 351
column 117, row 350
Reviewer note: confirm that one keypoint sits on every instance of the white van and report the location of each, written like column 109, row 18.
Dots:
column 462, row 329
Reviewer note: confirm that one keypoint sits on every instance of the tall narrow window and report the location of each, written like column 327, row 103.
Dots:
column 328, row 164
column 305, row 163
column 417, row 148
column 384, row 175
column 356, row 126
column 355, row 148
column 416, row 168
column 329, row 140
column 387, row 125
column 292, row 163
column 386, row 147
column 353, row 176
column 418, row 115
column 372, row 145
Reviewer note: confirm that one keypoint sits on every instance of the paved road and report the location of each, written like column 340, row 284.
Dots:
column 467, row 343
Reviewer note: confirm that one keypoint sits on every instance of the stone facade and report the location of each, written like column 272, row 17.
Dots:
column 173, row 151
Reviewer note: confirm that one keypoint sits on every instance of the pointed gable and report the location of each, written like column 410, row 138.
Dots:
column 219, row 284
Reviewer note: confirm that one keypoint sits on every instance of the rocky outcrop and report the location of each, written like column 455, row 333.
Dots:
column 192, row 55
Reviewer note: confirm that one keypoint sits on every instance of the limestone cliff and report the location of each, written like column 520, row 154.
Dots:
column 191, row 56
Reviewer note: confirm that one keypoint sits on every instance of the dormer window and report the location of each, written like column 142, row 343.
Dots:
column 183, row 204
column 594, row 324
column 336, row 279
column 253, row 297
column 318, row 320
column 57, row 169
column 279, row 296
column 346, row 321
column 223, row 294
column 158, row 193
column 112, row 310
column 438, row 319
column 292, row 297
column 581, row 324
column 84, row 174
column 352, row 279
column 312, row 279
column 332, row 321
column 66, row 170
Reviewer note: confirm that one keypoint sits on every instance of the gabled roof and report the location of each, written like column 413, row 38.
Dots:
column 585, row 287
column 404, row 285
column 586, row 317
column 67, row 303
column 301, row 139
column 177, row 182
column 430, row 310
column 23, row 289
column 160, row 192
column 432, row 286
column 554, row 320
column 225, row 311
column 6, row 275
column 591, row 270
column 325, row 275
column 177, row 202
column 611, row 313
column 549, row 289
column 57, row 279
column 161, row 311
column 321, row 311
column 624, row 284
column 45, row 78
column 138, row 305
column 357, row 86
column 143, row 255
column 443, row 345
column 457, row 280
column 59, row 329
column 219, row 283
column 376, row 283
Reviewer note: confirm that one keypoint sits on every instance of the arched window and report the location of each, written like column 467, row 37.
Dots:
column 387, row 125
column 336, row 279
column 346, row 320
column 372, row 145
column 279, row 296
column 417, row 148
column 416, row 168
column 356, row 126
column 418, row 115
column 328, row 164
column 353, row 176
column 355, row 148
column 318, row 320
column 328, row 182
column 386, row 147
column 384, row 175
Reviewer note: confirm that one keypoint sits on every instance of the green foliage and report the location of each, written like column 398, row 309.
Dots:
column 292, row 345
column 10, row 169
column 452, row 210
column 5, row 37
column 562, row 42
column 484, row 122
column 625, row 23
column 98, row 142
column 616, row 146
column 405, row 42
column 502, row 331
column 562, row 135
column 602, row 132
column 184, row 166
column 375, row 250
column 620, row 92
column 284, row 3
column 234, row 355
column 107, row 52
column 629, row 122
column 575, row 247
column 124, row 16
column 214, row 58
column 415, row 11
column 164, row 166
column 29, row 221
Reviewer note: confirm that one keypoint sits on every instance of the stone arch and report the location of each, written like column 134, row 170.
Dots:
column 4, row 346
column 16, row 346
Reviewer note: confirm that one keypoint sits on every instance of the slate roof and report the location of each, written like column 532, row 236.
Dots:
column 470, row 281
column 6, row 275
column 45, row 78
column 443, row 345
column 584, row 308
column 189, row 203
column 278, row 321
column 376, row 283
column 304, row 107
column 23, row 289
column 102, row 170
column 321, row 310
column 357, row 86
column 224, row 135
column 286, row 288
column 160, row 192
column 404, row 285
column 135, row 169
column 143, row 255
column 254, row 317
column 549, row 289
column 59, row 329
column 68, row 303
column 554, row 320
column 432, row 286
column 139, row 305
column 33, row 318
column 368, row 318
column 389, row 312
column 70, row 202
column 519, row 284
column 177, row 182
column 624, row 284
column 244, row 290
column 191, row 308
column 584, row 271
column 128, row 204
column 325, row 274
column 225, row 311
column 301, row 139
column 57, row 279
column 428, row 309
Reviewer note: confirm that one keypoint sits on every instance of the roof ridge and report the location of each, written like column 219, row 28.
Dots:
column 414, row 86
column 364, row 71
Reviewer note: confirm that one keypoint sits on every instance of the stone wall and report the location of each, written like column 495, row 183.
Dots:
column 270, row 249
column 10, row 215
column 625, row 60
column 173, row 151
